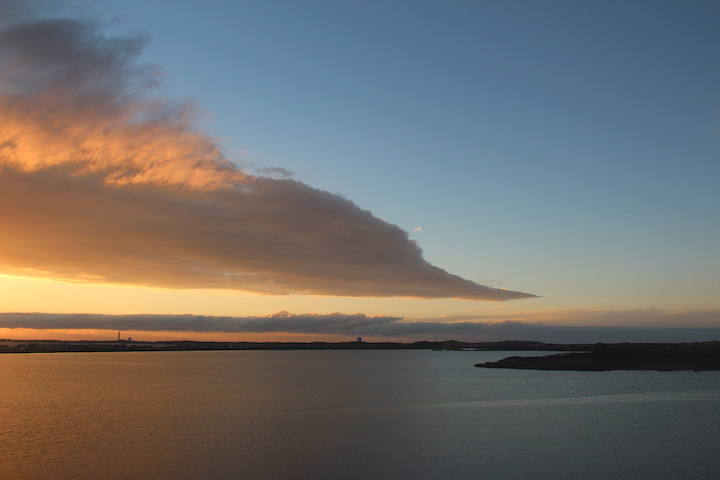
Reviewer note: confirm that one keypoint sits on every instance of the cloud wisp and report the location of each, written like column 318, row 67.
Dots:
column 101, row 180
column 700, row 325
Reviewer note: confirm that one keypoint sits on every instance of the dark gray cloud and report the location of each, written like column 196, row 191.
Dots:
column 334, row 323
column 381, row 327
column 635, row 318
column 101, row 180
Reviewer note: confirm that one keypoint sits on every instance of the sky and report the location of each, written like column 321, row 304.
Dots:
column 316, row 170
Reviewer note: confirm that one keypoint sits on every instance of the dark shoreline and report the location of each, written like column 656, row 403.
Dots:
column 700, row 356
column 52, row 346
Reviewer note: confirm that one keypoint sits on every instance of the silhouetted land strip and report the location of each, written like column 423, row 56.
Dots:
column 40, row 346
column 588, row 357
column 701, row 356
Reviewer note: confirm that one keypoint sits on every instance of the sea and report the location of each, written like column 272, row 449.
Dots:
column 363, row 414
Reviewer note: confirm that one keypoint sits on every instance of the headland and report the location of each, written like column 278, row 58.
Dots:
column 701, row 356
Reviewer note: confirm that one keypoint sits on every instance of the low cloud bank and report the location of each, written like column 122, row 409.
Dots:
column 386, row 327
column 102, row 181
column 635, row 318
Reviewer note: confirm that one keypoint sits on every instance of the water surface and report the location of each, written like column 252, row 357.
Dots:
column 347, row 414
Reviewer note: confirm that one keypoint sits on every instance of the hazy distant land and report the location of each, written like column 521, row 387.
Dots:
column 47, row 346
column 699, row 356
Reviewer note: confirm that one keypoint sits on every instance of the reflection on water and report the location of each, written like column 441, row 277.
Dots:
column 347, row 414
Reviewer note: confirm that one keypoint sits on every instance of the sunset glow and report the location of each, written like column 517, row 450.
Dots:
column 551, row 195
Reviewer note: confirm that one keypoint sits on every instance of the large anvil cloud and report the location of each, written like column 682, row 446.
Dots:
column 102, row 181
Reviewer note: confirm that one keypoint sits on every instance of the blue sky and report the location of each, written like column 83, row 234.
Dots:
column 533, row 142
column 565, row 149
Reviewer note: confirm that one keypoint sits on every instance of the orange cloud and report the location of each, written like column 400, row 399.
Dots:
column 102, row 182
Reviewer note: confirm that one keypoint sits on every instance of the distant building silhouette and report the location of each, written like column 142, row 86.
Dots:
column 359, row 340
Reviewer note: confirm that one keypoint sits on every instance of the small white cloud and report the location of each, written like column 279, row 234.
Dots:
column 275, row 172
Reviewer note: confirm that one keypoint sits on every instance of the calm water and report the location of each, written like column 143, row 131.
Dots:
column 347, row 414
